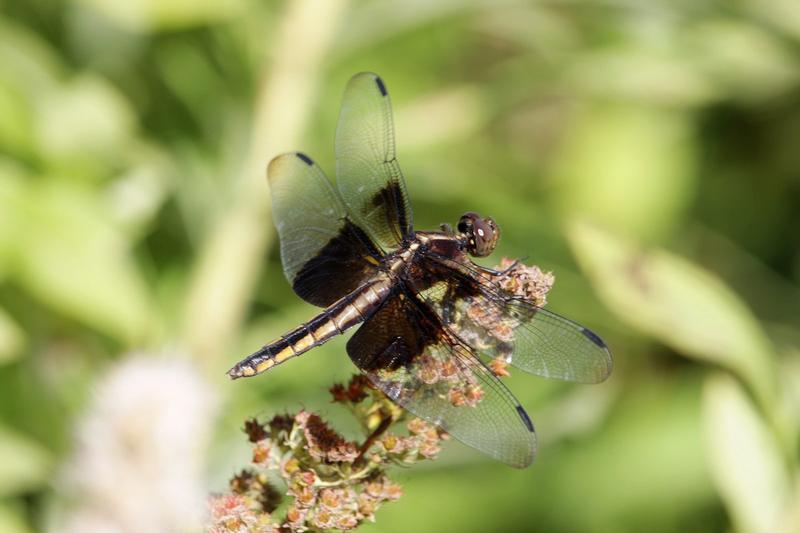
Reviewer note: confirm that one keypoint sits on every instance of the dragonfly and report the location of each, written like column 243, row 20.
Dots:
column 431, row 319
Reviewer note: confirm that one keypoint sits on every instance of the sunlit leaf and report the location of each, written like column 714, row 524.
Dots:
column 746, row 461
column 29, row 63
column 451, row 113
column 748, row 62
column 12, row 520
column 641, row 74
column 782, row 14
column 12, row 338
column 83, row 120
column 627, row 166
column 16, row 121
column 73, row 259
column 26, row 464
column 150, row 15
column 29, row 70
column 13, row 193
column 678, row 303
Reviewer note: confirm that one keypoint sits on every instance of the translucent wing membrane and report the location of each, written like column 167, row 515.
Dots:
column 367, row 172
column 325, row 255
column 439, row 317
column 405, row 351
column 500, row 325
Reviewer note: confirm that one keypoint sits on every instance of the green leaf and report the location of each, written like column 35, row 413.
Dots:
column 85, row 121
column 16, row 120
column 627, row 166
column 149, row 15
column 26, row 465
column 12, row 194
column 12, row 520
column 750, row 63
column 72, row 258
column 12, row 339
column 678, row 303
column 745, row 458
column 782, row 14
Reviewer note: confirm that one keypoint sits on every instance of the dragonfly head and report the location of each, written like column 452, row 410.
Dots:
column 480, row 234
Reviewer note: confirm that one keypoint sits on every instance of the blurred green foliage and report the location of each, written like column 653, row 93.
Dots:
column 647, row 153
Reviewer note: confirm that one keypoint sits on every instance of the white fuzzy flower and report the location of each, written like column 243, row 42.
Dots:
column 140, row 450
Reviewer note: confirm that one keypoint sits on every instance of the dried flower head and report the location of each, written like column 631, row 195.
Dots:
column 335, row 483
column 527, row 282
column 331, row 483
column 357, row 390
column 255, row 431
column 323, row 443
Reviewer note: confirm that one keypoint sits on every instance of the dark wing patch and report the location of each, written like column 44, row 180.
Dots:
column 367, row 172
column 405, row 351
column 338, row 268
column 381, row 86
column 304, row 158
column 325, row 254
column 592, row 336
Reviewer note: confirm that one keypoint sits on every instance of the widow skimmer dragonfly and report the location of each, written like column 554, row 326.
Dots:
column 432, row 318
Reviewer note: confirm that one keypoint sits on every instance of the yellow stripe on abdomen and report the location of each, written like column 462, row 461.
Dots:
column 337, row 318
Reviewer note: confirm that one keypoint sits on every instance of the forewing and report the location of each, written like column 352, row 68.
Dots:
column 325, row 254
column 408, row 355
column 506, row 328
column 367, row 172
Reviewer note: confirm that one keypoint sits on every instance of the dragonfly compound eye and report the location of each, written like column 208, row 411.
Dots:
column 481, row 234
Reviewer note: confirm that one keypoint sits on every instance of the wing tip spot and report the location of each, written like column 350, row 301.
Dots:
column 304, row 158
column 381, row 86
column 525, row 418
column 594, row 337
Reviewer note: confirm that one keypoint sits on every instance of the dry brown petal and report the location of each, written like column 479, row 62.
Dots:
column 374, row 489
column 528, row 282
column 428, row 371
column 473, row 394
column 242, row 482
column 306, row 477
column 295, row 518
column 323, row 443
column 499, row 367
column 391, row 491
column 261, row 452
column 289, row 466
column 456, row 397
column 255, row 431
column 429, row 449
column 231, row 512
column 417, row 426
column 367, row 506
column 392, row 443
column 331, row 498
column 448, row 370
column 347, row 522
column 280, row 423
column 354, row 392
column 304, row 497
column 339, row 393
column 268, row 496
column 431, row 434
column 323, row 519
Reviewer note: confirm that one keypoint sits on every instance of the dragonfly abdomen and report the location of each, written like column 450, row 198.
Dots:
column 335, row 320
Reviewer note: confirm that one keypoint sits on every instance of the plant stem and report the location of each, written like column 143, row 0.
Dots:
column 230, row 259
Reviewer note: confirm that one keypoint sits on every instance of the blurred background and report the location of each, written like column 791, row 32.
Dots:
column 646, row 153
